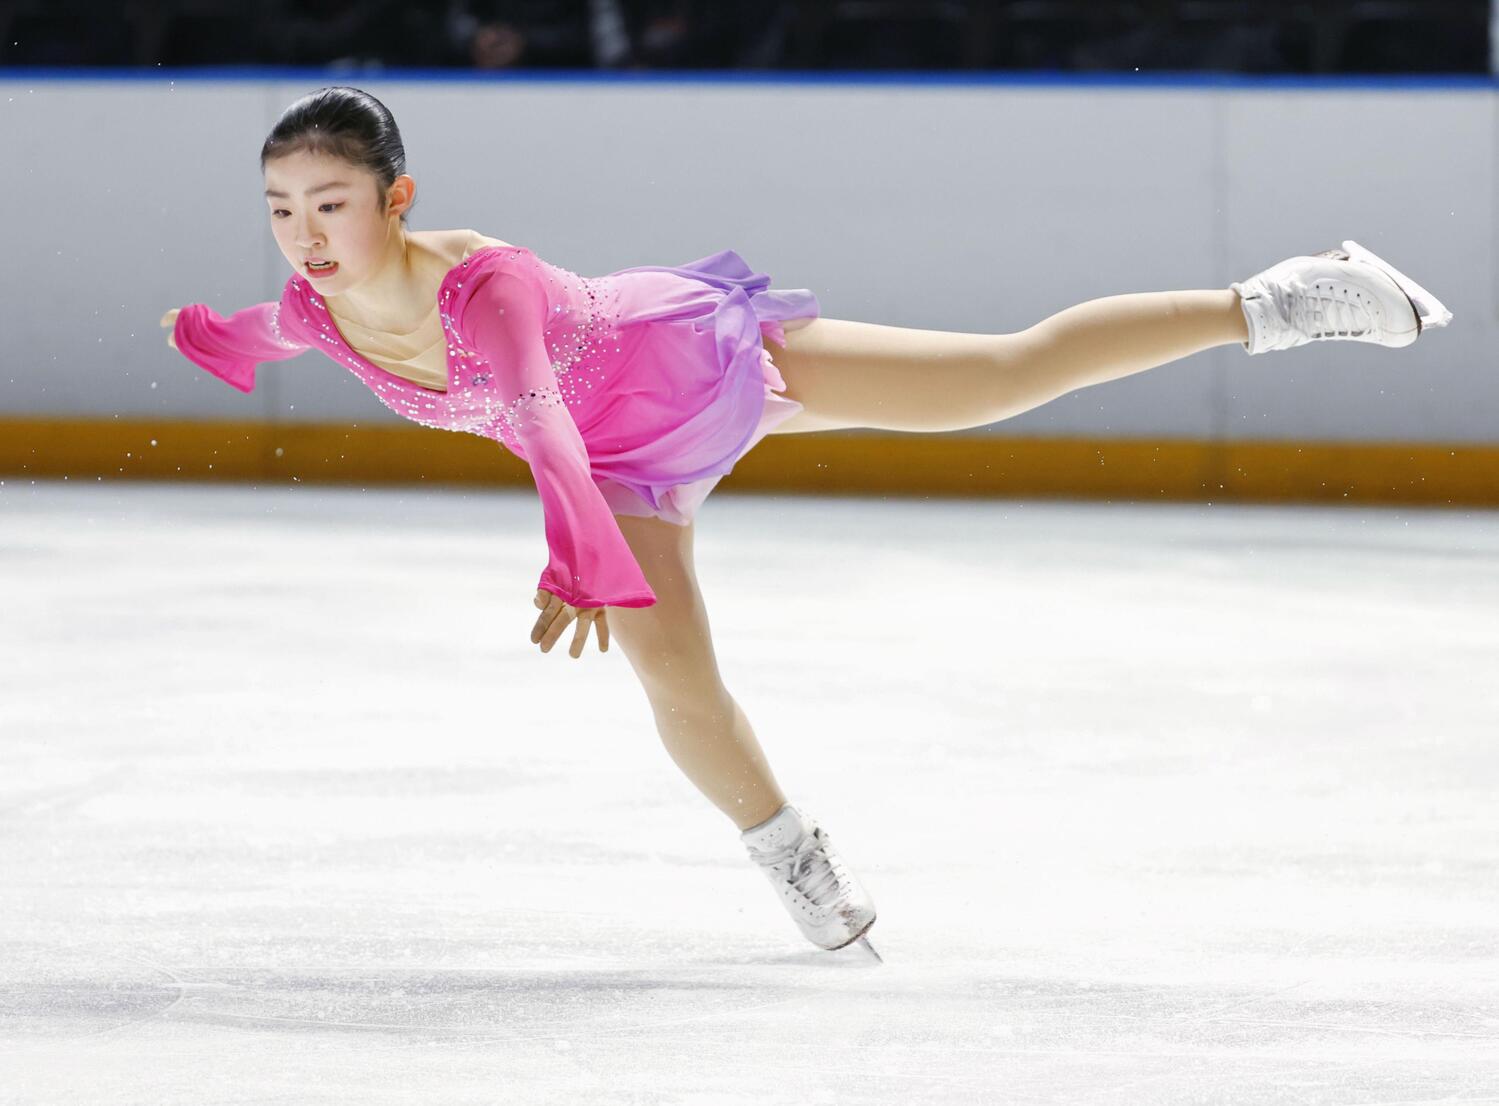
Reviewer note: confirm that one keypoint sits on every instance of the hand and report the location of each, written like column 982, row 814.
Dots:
column 169, row 320
column 554, row 617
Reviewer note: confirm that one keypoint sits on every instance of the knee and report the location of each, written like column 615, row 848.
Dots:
column 1025, row 371
column 672, row 656
column 1012, row 351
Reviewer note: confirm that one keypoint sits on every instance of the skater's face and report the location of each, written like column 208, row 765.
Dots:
column 324, row 208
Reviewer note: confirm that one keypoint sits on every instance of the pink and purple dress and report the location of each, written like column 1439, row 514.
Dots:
column 632, row 393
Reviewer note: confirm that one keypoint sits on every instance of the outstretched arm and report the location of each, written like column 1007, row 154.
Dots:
column 590, row 564
column 231, row 348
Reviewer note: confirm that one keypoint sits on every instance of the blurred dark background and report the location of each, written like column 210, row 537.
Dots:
column 1233, row 36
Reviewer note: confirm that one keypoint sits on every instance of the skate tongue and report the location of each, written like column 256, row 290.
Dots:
column 780, row 831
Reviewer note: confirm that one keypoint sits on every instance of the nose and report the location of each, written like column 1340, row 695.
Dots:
column 307, row 238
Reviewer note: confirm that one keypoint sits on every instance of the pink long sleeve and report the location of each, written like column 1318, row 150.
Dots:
column 231, row 348
column 591, row 564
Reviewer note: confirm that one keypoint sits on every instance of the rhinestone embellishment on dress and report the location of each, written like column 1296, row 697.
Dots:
column 578, row 328
column 276, row 327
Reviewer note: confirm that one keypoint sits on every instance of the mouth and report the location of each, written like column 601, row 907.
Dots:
column 320, row 270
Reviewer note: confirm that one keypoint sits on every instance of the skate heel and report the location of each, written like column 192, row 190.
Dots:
column 1430, row 311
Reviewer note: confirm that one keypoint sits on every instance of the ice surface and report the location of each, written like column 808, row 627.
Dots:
column 1159, row 804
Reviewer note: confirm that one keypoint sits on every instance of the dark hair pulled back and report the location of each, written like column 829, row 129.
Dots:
column 347, row 123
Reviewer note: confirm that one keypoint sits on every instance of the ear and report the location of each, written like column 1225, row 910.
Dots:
column 401, row 195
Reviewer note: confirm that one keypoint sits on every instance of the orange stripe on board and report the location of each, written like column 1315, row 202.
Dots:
column 837, row 462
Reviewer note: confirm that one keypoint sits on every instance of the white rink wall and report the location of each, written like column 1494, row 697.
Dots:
column 955, row 205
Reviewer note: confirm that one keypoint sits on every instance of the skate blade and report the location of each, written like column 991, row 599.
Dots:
column 861, row 938
column 1430, row 311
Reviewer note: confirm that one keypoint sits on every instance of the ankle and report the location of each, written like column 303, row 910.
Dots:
column 747, row 818
column 1238, row 322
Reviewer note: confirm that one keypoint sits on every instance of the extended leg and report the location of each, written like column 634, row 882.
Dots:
column 853, row 374
column 671, row 650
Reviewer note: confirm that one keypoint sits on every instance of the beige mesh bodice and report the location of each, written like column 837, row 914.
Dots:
column 421, row 355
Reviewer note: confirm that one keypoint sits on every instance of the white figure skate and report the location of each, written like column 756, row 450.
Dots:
column 1345, row 294
column 823, row 898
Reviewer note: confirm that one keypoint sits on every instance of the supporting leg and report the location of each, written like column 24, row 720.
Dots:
column 852, row 374
column 670, row 647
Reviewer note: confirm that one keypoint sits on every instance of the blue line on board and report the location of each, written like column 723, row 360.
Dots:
column 907, row 78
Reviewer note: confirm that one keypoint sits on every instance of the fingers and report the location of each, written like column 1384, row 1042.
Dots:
column 552, row 610
column 553, row 620
column 589, row 616
column 560, row 622
column 169, row 320
column 580, row 638
column 556, row 617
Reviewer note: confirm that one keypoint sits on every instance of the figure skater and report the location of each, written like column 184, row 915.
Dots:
column 630, row 395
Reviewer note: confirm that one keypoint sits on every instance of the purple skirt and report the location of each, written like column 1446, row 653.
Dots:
column 700, row 386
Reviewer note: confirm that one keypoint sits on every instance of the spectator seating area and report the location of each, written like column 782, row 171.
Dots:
column 1287, row 36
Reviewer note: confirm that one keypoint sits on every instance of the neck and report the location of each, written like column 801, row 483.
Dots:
column 393, row 290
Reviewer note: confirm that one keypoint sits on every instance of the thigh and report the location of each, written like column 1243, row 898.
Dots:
column 848, row 374
column 668, row 644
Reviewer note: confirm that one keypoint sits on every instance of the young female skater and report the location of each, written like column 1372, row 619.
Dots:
column 630, row 395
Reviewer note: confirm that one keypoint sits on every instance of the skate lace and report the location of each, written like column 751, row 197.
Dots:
column 811, row 872
column 1326, row 310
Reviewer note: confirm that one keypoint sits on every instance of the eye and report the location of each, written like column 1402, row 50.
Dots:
column 278, row 212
